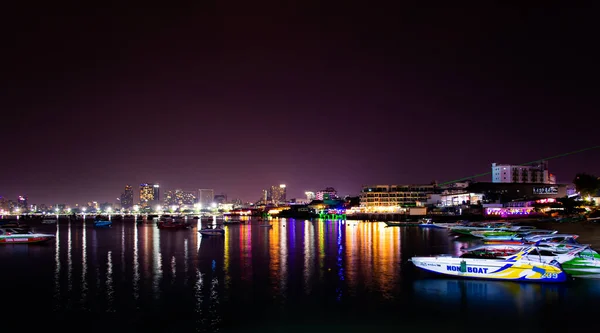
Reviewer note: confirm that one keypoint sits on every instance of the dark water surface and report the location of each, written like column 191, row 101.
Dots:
column 299, row 276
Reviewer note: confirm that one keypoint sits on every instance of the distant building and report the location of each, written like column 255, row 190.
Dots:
column 278, row 194
column 327, row 193
column 149, row 194
column 531, row 174
column 127, row 197
column 206, row 197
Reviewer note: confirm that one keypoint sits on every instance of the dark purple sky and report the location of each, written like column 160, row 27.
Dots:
column 240, row 98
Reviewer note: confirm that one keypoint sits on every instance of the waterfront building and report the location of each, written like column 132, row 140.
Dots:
column 149, row 194
column 505, row 192
column 127, row 197
column 455, row 199
column 326, row 194
column 206, row 197
column 394, row 198
column 277, row 194
column 535, row 174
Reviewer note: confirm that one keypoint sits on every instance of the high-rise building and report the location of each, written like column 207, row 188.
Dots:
column 310, row 196
column 326, row 194
column 206, row 197
column 149, row 194
column 127, row 197
column 537, row 174
column 179, row 198
column 278, row 194
column 22, row 202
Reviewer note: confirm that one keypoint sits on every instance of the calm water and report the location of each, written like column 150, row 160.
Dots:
column 299, row 276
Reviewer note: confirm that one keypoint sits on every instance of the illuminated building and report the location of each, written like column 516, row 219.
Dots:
column 326, row 194
column 206, row 197
column 179, row 198
column 149, row 194
column 394, row 197
column 278, row 194
column 127, row 197
column 310, row 196
column 532, row 174
column 22, row 202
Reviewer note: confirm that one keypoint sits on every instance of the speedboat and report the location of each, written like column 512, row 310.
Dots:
column 102, row 223
column 514, row 268
column 212, row 232
column 22, row 236
column 509, row 235
column 577, row 260
column 554, row 238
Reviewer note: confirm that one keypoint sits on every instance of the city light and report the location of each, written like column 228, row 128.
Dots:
column 83, row 209
column 213, row 205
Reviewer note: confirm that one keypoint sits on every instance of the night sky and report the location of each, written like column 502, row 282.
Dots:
column 240, row 97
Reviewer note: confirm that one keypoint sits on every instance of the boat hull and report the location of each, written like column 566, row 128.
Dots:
column 25, row 240
column 212, row 232
column 492, row 269
column 429, row 225
column 102, row 224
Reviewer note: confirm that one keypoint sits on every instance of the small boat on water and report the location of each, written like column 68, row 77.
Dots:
column 428, row 223
column 49, row 221
column 230, row 222
column 212, row 231
column 173, row 224
column 102, row 223
column 514, row 268
column 22, row 236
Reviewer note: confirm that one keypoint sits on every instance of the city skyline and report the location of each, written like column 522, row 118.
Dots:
column 240, row 100
column 258, row 195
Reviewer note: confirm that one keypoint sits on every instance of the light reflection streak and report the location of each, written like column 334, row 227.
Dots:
column 122, row 247
column 199, row 298
column 340, row 264
column 186, row 255
column 57, row 269
column 309, row 253
column 214, row 303
column 321, row 231
column 226, row 258
column 84, row 286
column 136, row 265
column 283, row 261
column 157, row 262
column 173, row 269
column 69, row 259
column 110, row 291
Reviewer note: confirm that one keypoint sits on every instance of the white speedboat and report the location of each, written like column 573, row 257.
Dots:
column 21, row 236
column 514, row 268
column 577, row 260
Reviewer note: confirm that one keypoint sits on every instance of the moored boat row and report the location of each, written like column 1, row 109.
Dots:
column 517, row 253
